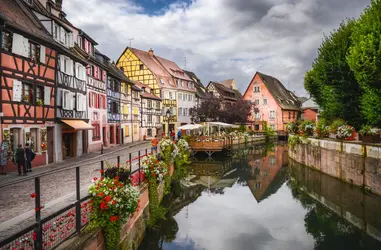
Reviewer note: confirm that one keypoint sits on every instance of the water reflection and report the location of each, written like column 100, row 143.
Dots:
column 257, row 199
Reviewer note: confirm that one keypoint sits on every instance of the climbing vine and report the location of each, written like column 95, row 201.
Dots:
column 168, row 151
column 293, row 141
column 181, row 160
column 155, row 171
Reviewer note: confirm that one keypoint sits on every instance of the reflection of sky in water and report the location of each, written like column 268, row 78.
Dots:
column 235, row 221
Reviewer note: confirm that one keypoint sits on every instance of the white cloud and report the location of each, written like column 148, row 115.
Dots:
column 277, row 37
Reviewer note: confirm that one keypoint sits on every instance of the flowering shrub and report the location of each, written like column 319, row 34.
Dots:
column 292, row 128
column 306, row 128
column 345, row 132
column 322, row 129
column 183, row 145
column 369, row 130
column 335, row 125
column 153, row 167
column 112, row 204
column 165, row 143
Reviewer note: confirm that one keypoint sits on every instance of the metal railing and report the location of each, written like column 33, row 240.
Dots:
column 51, row 231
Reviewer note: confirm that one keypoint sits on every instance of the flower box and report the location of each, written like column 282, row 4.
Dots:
column 370, row 138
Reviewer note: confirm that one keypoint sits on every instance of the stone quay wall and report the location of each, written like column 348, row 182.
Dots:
column 352, row 162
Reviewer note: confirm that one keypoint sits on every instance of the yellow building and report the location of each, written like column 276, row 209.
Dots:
column 145, row 67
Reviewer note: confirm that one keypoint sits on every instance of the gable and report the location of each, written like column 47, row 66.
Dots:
column 136, row 70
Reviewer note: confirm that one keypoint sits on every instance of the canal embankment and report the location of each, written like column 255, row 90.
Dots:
column 352, row 162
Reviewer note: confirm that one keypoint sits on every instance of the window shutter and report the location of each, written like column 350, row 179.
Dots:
column 71, row 100
column 83, row 102
column 62, row 35
column 18, row 44
column 16, row 92
column 42, row 54
column 65, row 101
column 71, row 65
column 62, row 63
column 47, row 91
column 78, row 102
column 84, row 75
column 76, row 69
column 104, row 75
column 59, row 97
column 71, row 40
column 90, row 99
column 26, row 47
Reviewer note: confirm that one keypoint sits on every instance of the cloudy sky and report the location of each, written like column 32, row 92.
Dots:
column 220, row 39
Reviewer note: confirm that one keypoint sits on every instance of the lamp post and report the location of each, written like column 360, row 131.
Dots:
column 168, row 114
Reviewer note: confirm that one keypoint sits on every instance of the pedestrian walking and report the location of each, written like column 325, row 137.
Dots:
column 20, row 160
column 179, row 134
column 29, row 156
column 154, row 143
column 173, row 135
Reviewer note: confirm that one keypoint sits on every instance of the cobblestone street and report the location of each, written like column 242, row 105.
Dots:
column 57, row 189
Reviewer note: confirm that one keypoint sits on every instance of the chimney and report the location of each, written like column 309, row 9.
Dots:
column 59, row 4
column 150, row 52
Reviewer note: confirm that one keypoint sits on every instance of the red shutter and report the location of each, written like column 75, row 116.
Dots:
column 104, row 76
column 90, row 99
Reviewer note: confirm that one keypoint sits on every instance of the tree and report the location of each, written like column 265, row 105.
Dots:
column 365, row 60
column 212, row 110
column 208, row 109
column 331, row 83
column 237, row 112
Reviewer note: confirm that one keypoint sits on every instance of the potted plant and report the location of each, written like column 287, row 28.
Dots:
column 334, row 126
column 307, row 128
column 370, row 134
column 345, row 132
column 292, row 128
column 322, row 130
column 40, row 102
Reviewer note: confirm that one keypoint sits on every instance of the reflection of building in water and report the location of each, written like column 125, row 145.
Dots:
column 351, row 203
column 267, row 174
column 213, row 175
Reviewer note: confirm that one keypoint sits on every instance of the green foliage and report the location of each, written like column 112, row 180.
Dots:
column 307, row 128
column 336, row 124
column 156, row 211
column 331, row 83
column 268, row 131
column 241, row 128
column 364, row 60
column 293, row 141
column 369, row 130
column 322, row 128
column 292, row 128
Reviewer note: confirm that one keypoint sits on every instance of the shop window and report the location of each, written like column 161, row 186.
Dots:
column 6, row 40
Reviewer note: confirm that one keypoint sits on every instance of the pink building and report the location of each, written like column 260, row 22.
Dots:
column 277, row 105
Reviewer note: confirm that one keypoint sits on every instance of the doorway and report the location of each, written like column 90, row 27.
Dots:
column 68, row 145
column 112, row 134
column 85, row 145
column 104, row 135
column 50, row 138
column 117, row 128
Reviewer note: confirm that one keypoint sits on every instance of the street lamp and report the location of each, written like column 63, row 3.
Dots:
column 168, row 114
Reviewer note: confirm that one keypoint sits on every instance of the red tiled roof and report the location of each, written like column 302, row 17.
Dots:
column 145, row 94
column 172, row 68
column 149, row 61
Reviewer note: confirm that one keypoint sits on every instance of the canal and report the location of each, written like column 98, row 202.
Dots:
column 259, row 199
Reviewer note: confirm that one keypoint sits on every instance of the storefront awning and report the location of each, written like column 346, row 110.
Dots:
column 78, row 124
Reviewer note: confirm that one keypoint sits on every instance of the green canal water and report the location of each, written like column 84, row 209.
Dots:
column 259, row 199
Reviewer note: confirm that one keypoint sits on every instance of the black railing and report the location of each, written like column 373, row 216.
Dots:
column 51, row 231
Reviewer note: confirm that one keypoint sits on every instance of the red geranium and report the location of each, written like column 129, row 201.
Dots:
column 95, row 178
column 113, row 218
column 101, row 194
column 103, row 206
column 107, row 198
column 33, row 195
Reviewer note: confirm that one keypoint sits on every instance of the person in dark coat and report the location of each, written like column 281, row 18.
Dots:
column 29, row 155
column 20, row 159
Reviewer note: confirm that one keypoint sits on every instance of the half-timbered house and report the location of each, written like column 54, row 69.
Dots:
column 27, row 75
column 145, row 67
column 96, row 90
column 150, row 113
column 71, row 100
column 200, row 88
